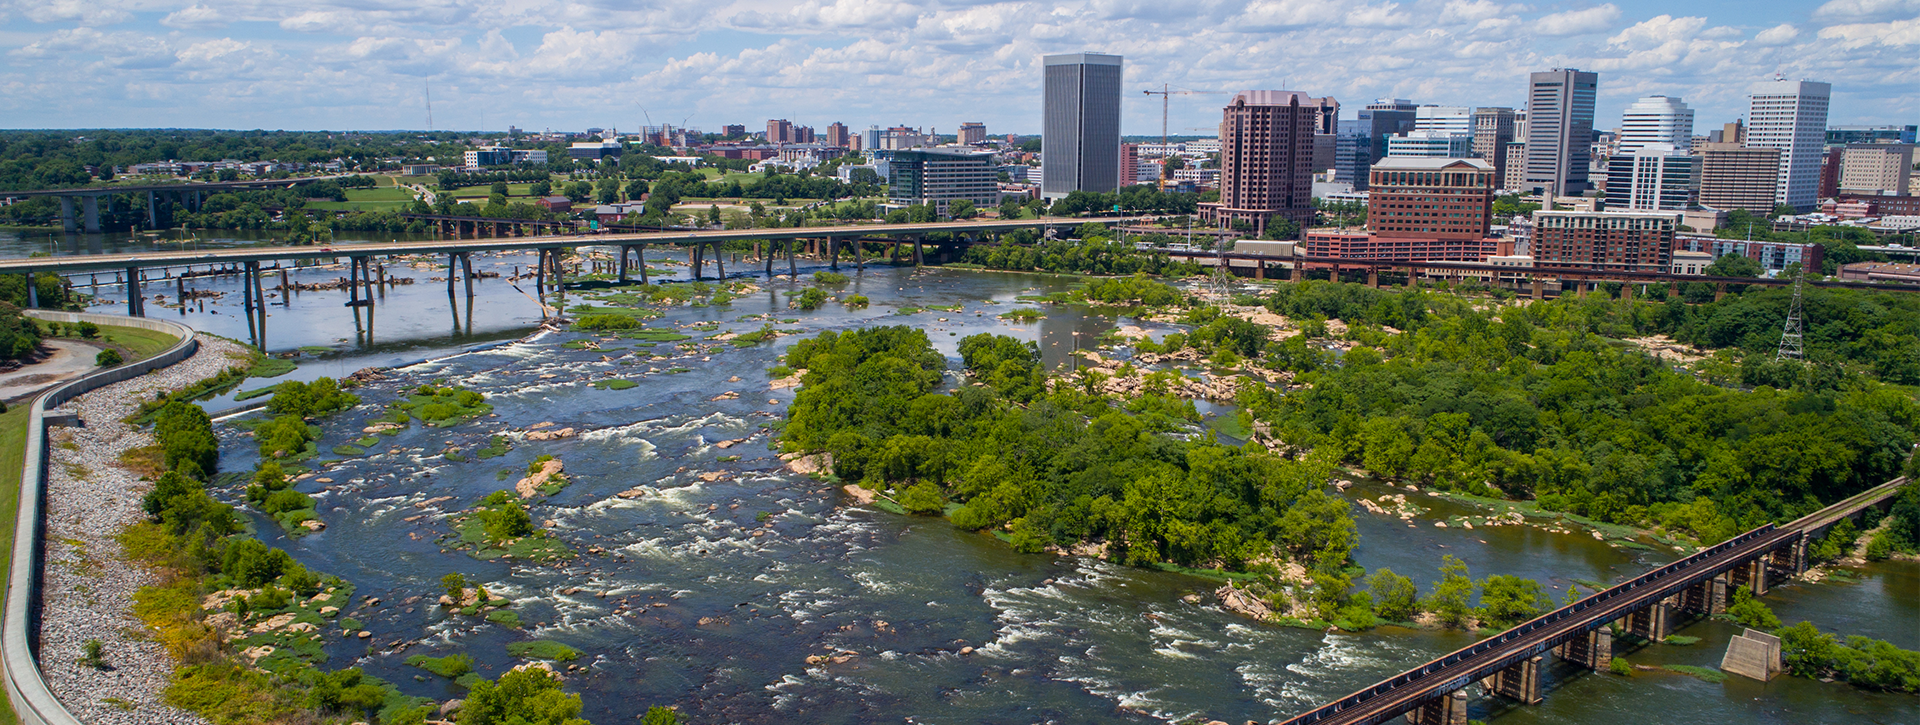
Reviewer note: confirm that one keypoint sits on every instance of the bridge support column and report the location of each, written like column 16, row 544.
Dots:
column 92, row 205
column 859, row 255
column 1259, row 269
column 67, row 223
column 766, row 258
column 1539, row 289
column 1719, row 291
column 792, row 269
column 833, row 254
column 1653, row 622
column 1592, row 650
column 919, row 253
column 453, row 269
column 1626, row 292
column 1521, row 681
column 1447, row 709
column 153, row 214
column 1373, row 277
column 719, row 262
column 136, row 307
column 625, row 251
column 1413, row 277
column 695, row 258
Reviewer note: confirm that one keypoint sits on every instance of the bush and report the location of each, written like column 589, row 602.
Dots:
column 1752, row 612
column 856, row 302
column 610, row 321
column 504, row 518
column 92, row 654
column 89, row 330
column 1620, row 666
column 517, row 695
column 186, row 436
column 811, row 299
column 832, row 278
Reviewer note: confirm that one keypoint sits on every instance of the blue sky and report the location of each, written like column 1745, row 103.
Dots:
column 536, row 64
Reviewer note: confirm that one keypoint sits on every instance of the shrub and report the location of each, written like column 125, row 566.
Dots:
column 92, row 652
column 108, row 358
column 89, row 330
column 606, row 322
column 1620, row 666
column 811, row 299
column 832, row 278
column 857, row 302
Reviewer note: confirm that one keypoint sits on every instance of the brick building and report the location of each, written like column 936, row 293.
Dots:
column 1428, row 198
column 1773, row 256
column 1733, row 176
column 1349, row 244
column 1266, row 160
column 1623, row 241
column 1886, row 205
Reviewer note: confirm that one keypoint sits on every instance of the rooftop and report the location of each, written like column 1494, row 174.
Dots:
column 1424, row 163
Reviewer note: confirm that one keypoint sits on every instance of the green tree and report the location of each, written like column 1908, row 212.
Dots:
column 1734, row 265
column 1395, row 598
column 961, row 209
column 521, row 697
column 1449, row 599
column 1509, row 600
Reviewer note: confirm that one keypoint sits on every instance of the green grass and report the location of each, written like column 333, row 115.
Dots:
column 13, row 452
column 141, row 343
column 379, row 198
column 450, row 666
column 504, row 618
column 1705, row 673
column 615, row 384
column 543, row 649
column 270, row 367
column 1681, row 640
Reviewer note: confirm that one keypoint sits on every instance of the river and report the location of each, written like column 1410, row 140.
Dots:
column 1056, row 639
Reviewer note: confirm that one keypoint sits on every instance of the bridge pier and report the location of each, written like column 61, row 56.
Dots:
column 1373, row 277
column 859, row 255
column 1653, row 622
column 1592, row 650
column 1521, row 681
column 793, row 270
column 719, row 262
column 1413, row 277
column 1719, row 291
column 1447, row 709
column 453, row 266
column 466, row 276
column 833, row 254
column 696, row 258
column 919, row 254
column 1539, row 289
column 67, row 223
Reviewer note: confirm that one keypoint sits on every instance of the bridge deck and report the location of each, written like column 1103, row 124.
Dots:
column 1406, row 691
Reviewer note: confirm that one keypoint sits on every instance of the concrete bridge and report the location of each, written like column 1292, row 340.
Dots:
column 190, row 193
column 1509, row 665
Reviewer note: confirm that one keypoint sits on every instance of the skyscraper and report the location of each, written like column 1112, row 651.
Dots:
column 1080, row 141
column 1654, row 177
column 837, row 135
column 1559, row 130
column 1791, row 116
column 1656, row 119
column 1445, row 119
column 1492, row 131
column 1266, row 160
column 1382, row 118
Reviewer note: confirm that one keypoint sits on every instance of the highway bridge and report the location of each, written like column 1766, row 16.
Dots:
column 1509, row 664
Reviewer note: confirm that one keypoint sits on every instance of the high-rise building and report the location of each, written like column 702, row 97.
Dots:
column 1515, row 175
column 1653, row 177
column 837, row 135
column 1329, row 122
column 1492, row 131
column 1429, row 144
column 1619, row 241
column 1874, row 168
column 1559, row 130
column 1129, row 164
column 1656, row 119
column 733, row 130
column 1080, row 130
column 1266, row 160
column 1445, row 119
column 1379, row 120
column 1352, row 153
column 973, row 132
column 1845, row 135
column 1735, row 132
column 1427, row 198
column 779, row 130
column 870, row 138
column 1735, row 176
column 1791, row 116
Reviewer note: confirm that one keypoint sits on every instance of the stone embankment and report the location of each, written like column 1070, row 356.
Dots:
column 88, row 585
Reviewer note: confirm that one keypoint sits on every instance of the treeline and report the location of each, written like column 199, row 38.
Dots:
column 1055, row 467
column 1139, row 198
column 1539, row 401
column 1092, row 253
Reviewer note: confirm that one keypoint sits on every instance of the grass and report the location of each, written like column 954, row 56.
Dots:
column 271, row 367
column 1681, row 640
column 141, row 343
column 450, row 666
column 1705, row 673
column 13, row 452
column 543, row 649
column 614, row 384
column 379, row 198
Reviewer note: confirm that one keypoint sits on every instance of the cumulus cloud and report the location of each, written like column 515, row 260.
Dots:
column 1599, row 18
column 1857, row 10
column 195, row 16
column 84, row 12
column 1777, row 35
column 1898, row 33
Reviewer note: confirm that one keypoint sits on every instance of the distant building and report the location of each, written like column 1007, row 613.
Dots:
column 1428, row 198
column 1875, row 168
column 1443, row 119
column 1656, row 120
column 1653, row 177
column 1266, row 161
column 733, row 130
column 779, row 130
column 1791, row 116
column 489, row 156
column 594, row 150
column 1347, row 244
column 555, row 203
column 1515, row 175
column 1887, row 205
column 1559, row 131
column 1080, row 127
column 1430, row 144
column 1617, row 241
column 417, row 170
column 940, row 177
column 1890, row 272
column 837, row 135
column 1691, row 263
column 1846, row 135
column 1381, row 119
column 1129, row 164
column 1492, row 134
column 1352, row 154
column 973, row 132
column 1772, row 256
column 1733, row 176
column 530, row 156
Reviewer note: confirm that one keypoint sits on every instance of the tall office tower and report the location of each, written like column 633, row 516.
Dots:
column 1492, row 131
column 837, row 135
column 1559, row 130
column 1875, row 168
column 1080, row 141
column 973, row 132
column 1653, row 177
column 1791, row 116
column 1733, row 176
column 1445, row 119
column 1429, row 144
column 779, row 130
column 1266, row 160
column 1352, row 154
column 1379, row 120
column 870, row 138
column 1515, row 176
column 1656, row 119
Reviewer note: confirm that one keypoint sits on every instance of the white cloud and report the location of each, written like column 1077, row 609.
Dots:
column 84, row 12
column 1599, row 18
column 1856, row 10
column 1777, row 35
column 195, row 16
column 1899, row 33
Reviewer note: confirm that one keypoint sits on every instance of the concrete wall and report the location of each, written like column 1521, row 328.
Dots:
column 19, row 660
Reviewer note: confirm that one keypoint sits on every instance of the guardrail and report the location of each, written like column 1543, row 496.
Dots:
column 27, row 688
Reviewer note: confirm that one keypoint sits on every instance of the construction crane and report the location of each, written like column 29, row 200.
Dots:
column 1166, row 92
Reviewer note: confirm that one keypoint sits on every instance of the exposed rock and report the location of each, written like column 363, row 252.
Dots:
column 1234, row 600
column 367, row 375
column 550, row 435
column 275, row 622
column 530, row 486
column 790, row 381
column 860, row 495
column 729, row 395
column 313, row 525
column 815, row 463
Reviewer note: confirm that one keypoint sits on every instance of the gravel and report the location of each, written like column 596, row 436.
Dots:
column 87, row 587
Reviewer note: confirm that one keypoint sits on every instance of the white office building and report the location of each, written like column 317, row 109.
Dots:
column 1653, row 177
column 1656, row 120
column 1443, row 119
column 1791, row 116
column 1431, row 144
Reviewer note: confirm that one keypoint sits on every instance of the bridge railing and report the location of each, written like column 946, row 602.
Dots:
column 1611, row 596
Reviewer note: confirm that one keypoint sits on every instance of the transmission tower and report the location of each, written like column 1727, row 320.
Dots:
column 1790, row 341
column 1219, row 283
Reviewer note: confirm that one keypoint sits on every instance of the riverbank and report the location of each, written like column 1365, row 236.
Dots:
column 94, row 490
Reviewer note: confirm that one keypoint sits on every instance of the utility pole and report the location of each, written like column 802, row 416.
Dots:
column 1791, row 344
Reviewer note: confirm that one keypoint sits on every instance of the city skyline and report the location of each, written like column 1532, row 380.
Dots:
column 327, row 65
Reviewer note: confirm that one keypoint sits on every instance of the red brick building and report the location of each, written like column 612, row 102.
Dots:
column 1266, row 160
column 1607, row 240
column 1347, row 244
column 1887, row 205
column 555, row 203
column 1431, row 198
column 1773, row 256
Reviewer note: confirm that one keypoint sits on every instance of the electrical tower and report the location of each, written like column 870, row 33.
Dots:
column 1791, row 345
column 1219, row 283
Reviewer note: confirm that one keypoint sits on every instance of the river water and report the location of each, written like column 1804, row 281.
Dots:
column 748, row 600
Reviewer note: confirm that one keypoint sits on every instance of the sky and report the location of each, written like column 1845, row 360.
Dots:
column 549, row 64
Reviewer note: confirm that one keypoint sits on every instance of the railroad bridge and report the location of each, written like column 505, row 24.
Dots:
column 1509, row 665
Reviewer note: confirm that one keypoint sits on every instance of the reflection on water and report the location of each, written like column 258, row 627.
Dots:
column 759, row 569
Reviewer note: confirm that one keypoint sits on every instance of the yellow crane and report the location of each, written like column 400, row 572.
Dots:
column 1165, row 93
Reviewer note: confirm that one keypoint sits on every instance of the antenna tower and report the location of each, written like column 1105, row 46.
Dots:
column 1791, row 345
column 1219, row 284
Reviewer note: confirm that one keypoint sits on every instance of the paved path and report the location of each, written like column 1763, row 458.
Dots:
column 68, row 360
